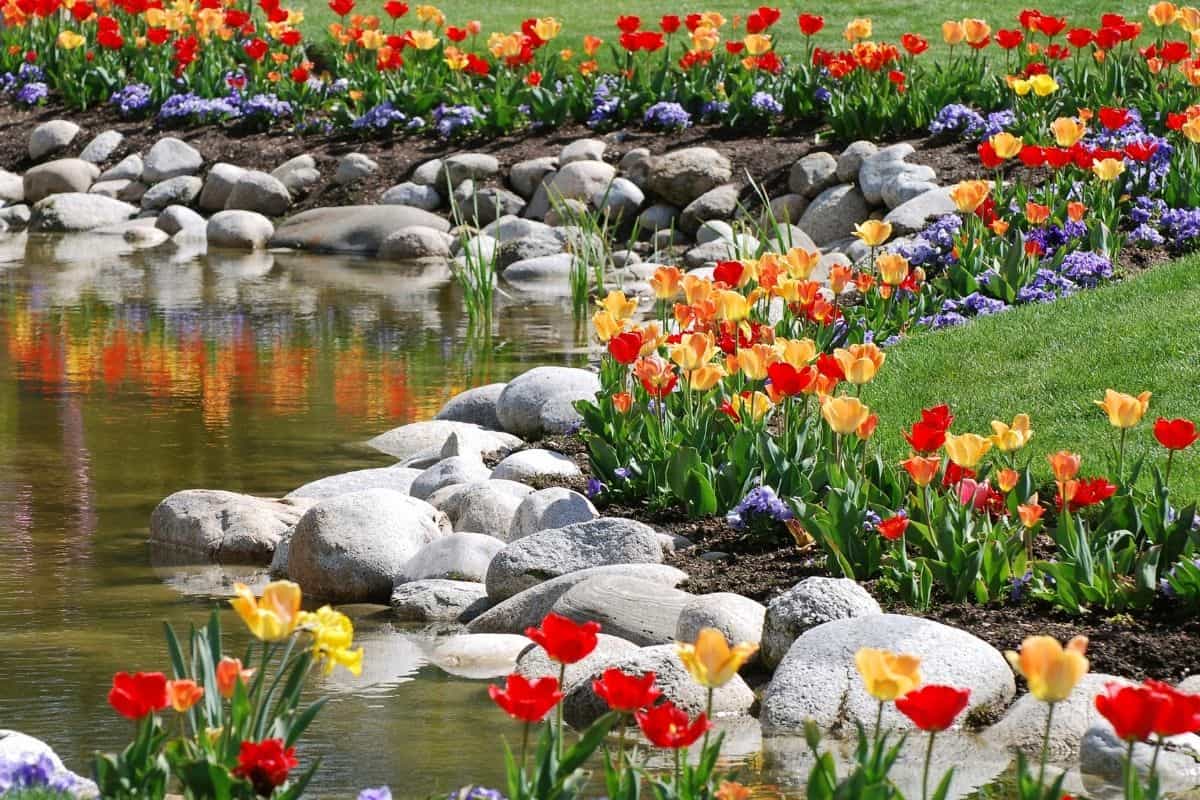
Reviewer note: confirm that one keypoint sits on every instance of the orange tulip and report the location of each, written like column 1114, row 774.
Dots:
column 1064, row 465
column 183, row 694
column 922, row 469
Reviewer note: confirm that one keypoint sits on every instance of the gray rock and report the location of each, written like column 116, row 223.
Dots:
column 786, row 236
column 550, row 553
column 12, row 187
column 218, row 185
column 438, row 600
column 635, row 165
column 398, row 479
column 172, row 219
column 658, row 217
column 739, row 619
column 350, row 229
column 526, row 464
column 16, row 217
column 17, row 747
column 239, row 230
column 416, row 242
column 1101, row 753
column 169, row 158
column 427, row 173
column 620, row 200
column 914, row 215
column 534, row 663
column 467, row 166
column 904, row 188
column 555, row 507
column 579, row 180
column 834, row 213
column 353, row 167
column 259, row 192
column 644, row 612
column 459, row 556
column 542, row 269
column 58, row 177
column 490, row 204
column 429, row 437
column 102, row 146
column 77, row 211
column 786, row 209
column 414, row 195
column 487, row 655
column 51, row 137
column 528, row 247
column 817, row 678
column 714, row 230
column 884, row 168
column 456, row 469
column 486, row 507
column 811, row 602
column 720, row 250
column 851, row 159
column 128, row 168
column 529, row 607
column 527, row 176
column 114, row 189
column 525, row 403
column 508, row 228
column 298, row 175
column 1024, row 724
column 679, row 177
column 813, row 174
column 718, row 203
column 139, row 232
column 482, row 248
column 181, row 190
column 350, row 547
column 476, row 406
column 582, row 150
column 582, row 705
column 221, row 527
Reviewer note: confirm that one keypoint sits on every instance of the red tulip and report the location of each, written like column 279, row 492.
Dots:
column 341, row 7
column 670, row 23
column 265, row 764
column 624, row 692
column 1178, row 713
column 1051, row 26
column 933, row 708
column 940, row 417
column 1141, row 151
column 256, row 49
column 525, row 700
column 811, row 24
column 625, row 347
column 1088, row 492
column 1033, row 156
column 629, row 23
column 925, row 438
column 914, row 43
column 789, row 381
column 395, row 9
column 1175, row 434
column 1131, row 710
column 893, row 528
column 668, row 726
column 135, row 696
column 988, row 157
column 1113, row 118
column 564, row 640
column 728, row 272
column 828, row 366
column 1079, row 37
column 1028, row 18
column 1008, row 39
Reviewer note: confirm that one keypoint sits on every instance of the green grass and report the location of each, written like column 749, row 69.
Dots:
column 1052, row 361
column 891, row 17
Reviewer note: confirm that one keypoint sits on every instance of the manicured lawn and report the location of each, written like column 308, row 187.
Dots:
column 1052, row 361
column 891, row 17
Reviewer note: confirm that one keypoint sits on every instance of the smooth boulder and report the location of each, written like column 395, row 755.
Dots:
column 527, row 406
column 350, row 229
column 438, row 600
column 811, row 602
column 222, row 527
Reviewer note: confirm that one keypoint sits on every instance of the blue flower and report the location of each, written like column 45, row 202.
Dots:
column 476, row 793
column 131, row 101
column 621, row 473
column 382, row 793
column 666, row 116
column 822, row 96
column 594, row 487
column 760, row 504
column 766, row 104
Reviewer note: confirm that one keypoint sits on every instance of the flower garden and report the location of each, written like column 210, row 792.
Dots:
column 776, row 495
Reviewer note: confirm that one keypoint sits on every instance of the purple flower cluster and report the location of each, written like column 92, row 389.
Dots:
column 667, row 116
column 760, row 504
column 1046, row 286
column 476, row 793
column 132, row 101
column 932, row 249
column 31, row 93
column 1086, row 268
column 969, row 124
column 713, row 110
column 1181, row 227
column 265, row 106
column 822, row 96
column 190, row 107
column 381, row 793
column 451, row 121
column 604, row 104
column 1052, row 238
column 766, row 104
column 381, row 117
column 595, row 487
column 35, row 771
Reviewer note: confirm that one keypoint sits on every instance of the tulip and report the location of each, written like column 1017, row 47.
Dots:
column 667, row 726
column 844, row 414
column 1179, row 713
column 1064, row 465
column 625, row 348
column 967, row 450
column 1009, row 438
column 229, row 673
column 1174, row 435
column 183, row 694
column 1051, row 670
column 265, row 765
column 710, row 661
column 1067, row 131
column 839, row 276
column 933, row 708
column 860, row 363
column 565, row 641
column 1130, row 709
column 893, row 527
column 272, row 617
column 922, row 469
column 1108, row 169
column 665, row 282
column 69, row 40
column 1191, row 129
column 1163, row 14
column 1036, row 213
column 606, row 325
column 873, row 232
column 1031, row 512
column 618, row 305
column 796, row 352
column 753, row 405
column 732, row 306
column 622, row 402
column 1123, row 410
column 1006, row 479
column 953, row 32
column 857, row 29
column 887, row 675
column 694, row 351
column 866, row 428
column 1043, row 85
column 525, row 700
column 421, row 39
column 732, row 790
column 1006, row 145
column 704, row 378
column 800, row 263
column 969, row 195
column 626, row 693
column 893, row 268
column 134, row 696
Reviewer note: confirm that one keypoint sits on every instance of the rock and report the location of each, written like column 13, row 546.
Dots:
column 239, row 230
column 579, row 180
column 429, row 437
column 644, row 612
column 17, row 747
column 417, row 242
column 113, row 189
column 218, row 185
column 851, row 159
column 739, row 619
column 555, row 507
column 451, row 499
column 476, row 406
column 1101, row 753
column 426, row 174
column 717, row 250
column 714, row 230
column 524, row 404
column 550, row 553
column 787, row 236
column 222, row 527
column 556, row 268
column 621, row 200
column 353, row 167
column 350, row 229
column 834, row 213
column 817, row 679
column 885, row 167
column 51, row 137
column 526, row 464
column 180, row 190
column 1024, row 724
column 456, row 469
column 530, row 606
column 507, row 229
column 527, row 176
column 172, row 219
column 813, row 174
column 438, row 600
column 635, row 165
column 914, row 215
column 787, row 209
column 582, row 706
column 15, row 217
column 534, row 663
column 139, row 232
column 58, row 177
column 128, row 168
column 482, row 655
column 459, row 556
column 905, row 187
column 102, row 146
column 398, row 479
column 259, row 192
column 486, row 507
column 349, row 548
column 526, row 248
column 718, row 203
column 467, row 167
column 658, row 217
column 414, row 195
column 170, row 158
column 132, row 192
column 679, row 177
column 77, row 211
column 582, row 150
column 12, row 187
column 298, row 175
column 490, row 204
column 811, row 602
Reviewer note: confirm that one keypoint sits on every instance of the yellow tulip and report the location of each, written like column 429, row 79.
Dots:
column 420, row 39
column 893, row 268
column 1191, row 129
column 705, row 39
column 732, row 306
column 1043, row 85
column 969, row 195
column 69, row 40
column 1067, row 131
column 887, row 675
column 431, row 15
column 873, row 232
column 757, row 43
column 1006, row 145
column 953, row 32
column 1108, row 169
column 455, row 59
column 1189, row 19
column 617, row 304
column 976, row 30
column 665, row 282
column 857, row 29
column 704, row 378
column 1007, row 438
column 844, row 413
column 273, row 616
column 710, row 661
column 800, row 263
column 547, row 28
column 860, row 362
column 607, row 326
column 1050, row 669
column 693, row 351
column 967, row 449
column 796, row 352
column 1021, row 86
column 755, row 406
column 333, row 634
column 1064, row 465
column 1163, row 14
column 1124, row 411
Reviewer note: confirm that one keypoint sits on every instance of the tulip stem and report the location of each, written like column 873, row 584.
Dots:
column 562, row 676
column 708, row 708
column 524, row 744
column 1045, row 747
column 1128, row 772
column 925, row 771
column 621, row 748
column 879, row 722
column 1167, row 477
column 1154, row 758
column 678, row 770
column 1121, row 456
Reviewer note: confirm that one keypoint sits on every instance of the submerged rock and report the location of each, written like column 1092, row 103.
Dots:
column 208, row 525
column 438, row 600
column 74, row 212
column 398, row 479
column 350, row 229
